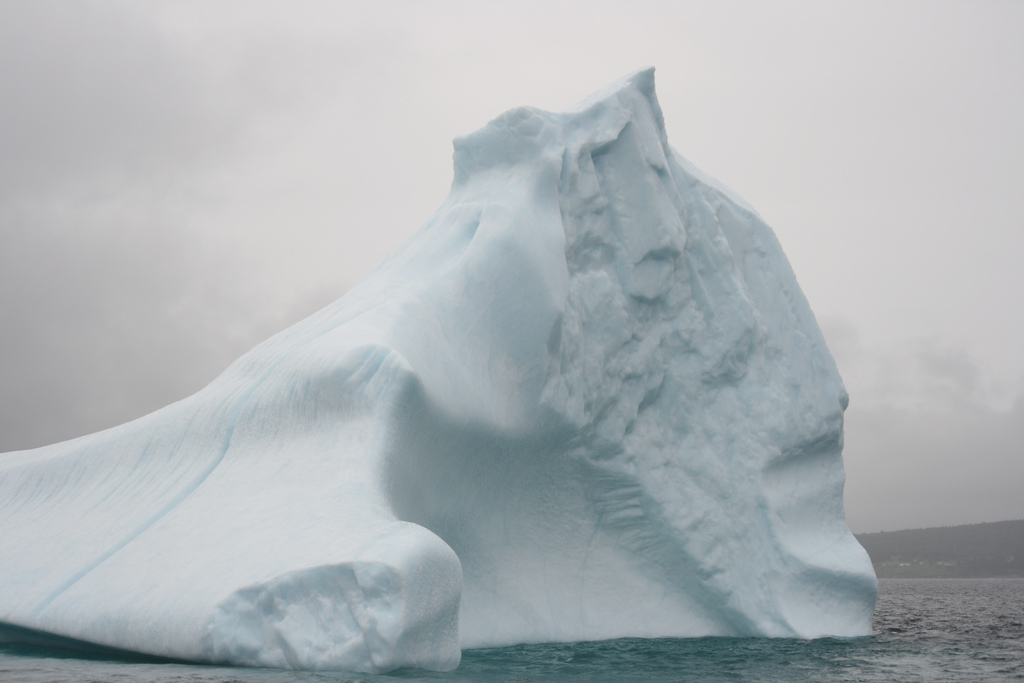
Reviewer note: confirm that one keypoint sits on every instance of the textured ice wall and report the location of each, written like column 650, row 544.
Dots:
column 586, row 400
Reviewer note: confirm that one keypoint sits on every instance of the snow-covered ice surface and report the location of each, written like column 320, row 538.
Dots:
column 586, row 400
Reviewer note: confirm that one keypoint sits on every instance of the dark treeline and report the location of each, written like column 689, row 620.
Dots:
column 971, row 551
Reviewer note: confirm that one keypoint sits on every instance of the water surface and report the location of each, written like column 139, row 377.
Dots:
column 925, row 630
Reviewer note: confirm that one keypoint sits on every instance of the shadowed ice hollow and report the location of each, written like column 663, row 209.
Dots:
column 586, row 400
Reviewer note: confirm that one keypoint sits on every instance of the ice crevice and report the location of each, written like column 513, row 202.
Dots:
column 586, row 400
column 146, row 524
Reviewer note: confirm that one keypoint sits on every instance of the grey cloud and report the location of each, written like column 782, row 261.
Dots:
column 925, row 373
column 918, row 469
column 99, row 330
column 926, row 443
column 112, row 303
column 95, row 97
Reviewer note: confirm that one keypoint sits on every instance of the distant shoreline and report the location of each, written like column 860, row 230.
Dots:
column 970, row 551
column 951, row 578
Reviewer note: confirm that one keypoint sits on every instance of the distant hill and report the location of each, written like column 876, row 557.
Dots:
column 970, row 551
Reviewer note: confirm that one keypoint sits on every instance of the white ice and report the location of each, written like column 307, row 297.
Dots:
column 586, row 400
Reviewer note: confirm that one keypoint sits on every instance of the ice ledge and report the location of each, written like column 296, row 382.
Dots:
column 373, row 615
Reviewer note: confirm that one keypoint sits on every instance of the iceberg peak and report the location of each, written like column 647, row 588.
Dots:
column 526, row 133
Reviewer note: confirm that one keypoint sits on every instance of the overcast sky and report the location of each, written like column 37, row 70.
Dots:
column 180, row 180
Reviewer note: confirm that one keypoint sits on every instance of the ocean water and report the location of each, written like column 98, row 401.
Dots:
column 924, row 630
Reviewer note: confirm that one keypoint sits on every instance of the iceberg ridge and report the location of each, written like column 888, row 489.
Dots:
column 586, row 400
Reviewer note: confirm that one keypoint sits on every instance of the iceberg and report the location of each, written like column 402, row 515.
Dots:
column 587, row 400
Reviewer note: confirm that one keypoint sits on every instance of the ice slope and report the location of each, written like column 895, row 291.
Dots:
column 586, row 400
